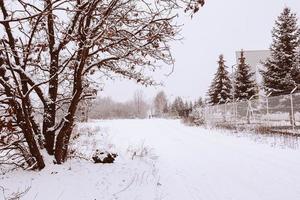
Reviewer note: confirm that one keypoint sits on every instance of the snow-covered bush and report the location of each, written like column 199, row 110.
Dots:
column 141, row 151
column 197, row 116
column 94, row 142
column 104, row 156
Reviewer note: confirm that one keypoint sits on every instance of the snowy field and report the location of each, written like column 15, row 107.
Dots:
column 165, row 160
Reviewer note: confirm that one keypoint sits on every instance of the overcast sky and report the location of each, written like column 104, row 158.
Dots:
column 221, row 27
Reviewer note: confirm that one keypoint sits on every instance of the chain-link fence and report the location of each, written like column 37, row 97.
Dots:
column 277, row 112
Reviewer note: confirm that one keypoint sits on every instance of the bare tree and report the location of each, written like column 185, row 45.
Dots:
column 50, row 48
column 140, row 105
column 160, row 103
column 106, row 108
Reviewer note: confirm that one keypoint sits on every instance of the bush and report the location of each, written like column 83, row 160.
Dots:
column 104, row 157
column 197, row 116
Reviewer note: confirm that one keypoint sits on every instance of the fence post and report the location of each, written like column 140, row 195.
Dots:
column 268, row 117
column 292, row 107
column 225, row 111
column 292, row 112
column 268, row 114
column 235, row 111
column 250, row 110
column 218, row 111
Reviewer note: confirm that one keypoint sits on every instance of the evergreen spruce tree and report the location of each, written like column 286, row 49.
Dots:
column 212, row 94
column 177, row 106
column 220, row 90
column 186, row 105
column 281, row 72
column 166, row 109
column 198, row 103
column 245, row 86
column 191, row 105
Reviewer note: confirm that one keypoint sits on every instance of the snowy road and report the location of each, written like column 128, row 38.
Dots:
column 191, row 163
column 195, row 163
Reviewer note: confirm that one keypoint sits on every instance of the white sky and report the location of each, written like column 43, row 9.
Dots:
column 219, row 27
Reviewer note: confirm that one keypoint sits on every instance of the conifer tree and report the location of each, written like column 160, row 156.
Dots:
column 281, row 72
column 186, row 105
column 245, row 86
column 220, row 90
column 198, row 103
column 191, row 105
column 212, row 94
column 177, row 106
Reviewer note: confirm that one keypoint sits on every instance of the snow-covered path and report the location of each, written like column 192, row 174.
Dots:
column 191, row 163
column 195, row 163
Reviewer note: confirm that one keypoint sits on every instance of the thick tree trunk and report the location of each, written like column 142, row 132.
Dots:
column 37, row 132
column 24, row 114
column 50, row 110
column 63, row 137
column 62, row 141
column 25, row 124
column 48, row 132
column 32, row 144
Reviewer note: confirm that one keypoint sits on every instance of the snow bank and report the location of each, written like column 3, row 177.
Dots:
column 80, row 179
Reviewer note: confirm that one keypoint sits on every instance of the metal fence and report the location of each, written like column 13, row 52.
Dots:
column 278, row 112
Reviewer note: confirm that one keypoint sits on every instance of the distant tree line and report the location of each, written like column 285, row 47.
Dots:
column 107, row 108
column 139, row 107
column 178, row 108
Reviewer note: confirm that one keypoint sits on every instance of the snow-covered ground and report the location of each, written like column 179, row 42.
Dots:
column 170, row 162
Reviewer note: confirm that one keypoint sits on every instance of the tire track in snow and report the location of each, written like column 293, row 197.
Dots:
column 196, row 164
column 246, row 156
